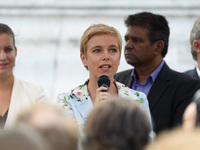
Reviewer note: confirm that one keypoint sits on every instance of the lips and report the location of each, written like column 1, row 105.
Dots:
column 105, row 67
column 3, row 64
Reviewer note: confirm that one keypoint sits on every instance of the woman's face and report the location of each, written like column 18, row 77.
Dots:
column 8, row 52
column 102, row 56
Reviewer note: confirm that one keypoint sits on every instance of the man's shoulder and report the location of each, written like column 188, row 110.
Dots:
column 122, row 73
column 189, row 71
column 182, row 75
column 182, row 78
column 28, row 87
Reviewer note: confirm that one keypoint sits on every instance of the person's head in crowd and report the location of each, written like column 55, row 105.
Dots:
column 21, row 139
column 52, row 123
column 100, row 52
column 195, row 40
column 191, row 116
column 176, row 139
column 8, row 50
column 149, row 35
column 119, row 124
column 90, row 38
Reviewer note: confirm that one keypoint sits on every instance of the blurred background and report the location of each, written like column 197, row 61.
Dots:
column 48, row 34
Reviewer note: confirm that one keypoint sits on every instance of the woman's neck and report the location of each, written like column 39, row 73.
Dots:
column 6, row 81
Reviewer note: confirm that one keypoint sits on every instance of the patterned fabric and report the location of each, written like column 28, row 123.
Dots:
column 78, row 103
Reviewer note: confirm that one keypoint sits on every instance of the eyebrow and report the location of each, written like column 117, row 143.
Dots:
column 8, row 46
column 98, row 46
column 113, row 46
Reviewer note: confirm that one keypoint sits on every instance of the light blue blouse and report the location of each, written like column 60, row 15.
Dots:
column 78, row 103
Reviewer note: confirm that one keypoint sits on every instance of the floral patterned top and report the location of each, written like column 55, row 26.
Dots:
column 78, row 103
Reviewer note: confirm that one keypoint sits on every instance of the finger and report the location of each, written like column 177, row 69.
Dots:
column 100, row 89
column 102, row 97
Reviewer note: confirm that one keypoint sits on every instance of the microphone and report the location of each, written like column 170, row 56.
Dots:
column 104, row 81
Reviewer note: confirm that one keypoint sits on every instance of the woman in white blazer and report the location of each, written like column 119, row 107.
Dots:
column 14, row 93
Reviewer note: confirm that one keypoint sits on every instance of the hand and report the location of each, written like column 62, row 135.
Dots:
column 101, row 96
column 189, row 117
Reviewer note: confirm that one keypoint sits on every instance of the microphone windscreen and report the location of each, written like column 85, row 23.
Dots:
column 104, row 80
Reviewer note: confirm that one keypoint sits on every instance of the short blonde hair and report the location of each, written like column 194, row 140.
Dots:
column 98, row 29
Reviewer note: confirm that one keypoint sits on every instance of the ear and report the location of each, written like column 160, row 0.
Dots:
column 196, row 46
column 83, row 59
column 159, row 46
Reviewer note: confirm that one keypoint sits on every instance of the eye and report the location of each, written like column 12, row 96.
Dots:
column 136, row 40
column 8, row 49
column 96, row 50
column 126, row 39
column 113, row 50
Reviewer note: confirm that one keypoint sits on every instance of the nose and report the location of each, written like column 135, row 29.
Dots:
column 128, row 46
column 105, row 55
column 2, row 55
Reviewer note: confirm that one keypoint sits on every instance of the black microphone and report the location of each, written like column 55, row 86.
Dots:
column 104, row 81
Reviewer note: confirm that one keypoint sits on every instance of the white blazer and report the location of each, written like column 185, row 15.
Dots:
column 24, row 94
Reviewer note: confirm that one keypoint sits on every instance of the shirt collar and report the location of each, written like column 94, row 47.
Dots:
column 81, row 92
column 153, row 75
column 198, row 71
